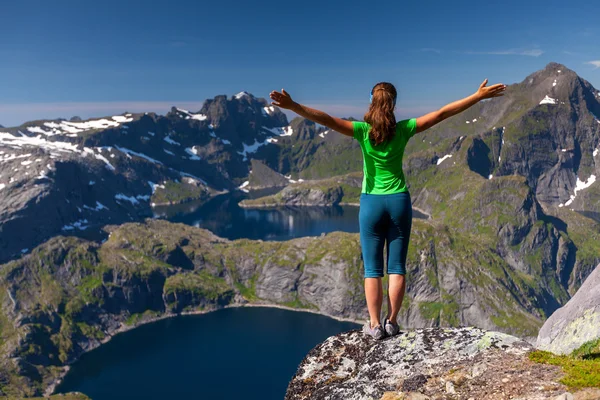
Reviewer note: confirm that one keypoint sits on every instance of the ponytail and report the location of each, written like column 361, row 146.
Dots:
column 381, row 113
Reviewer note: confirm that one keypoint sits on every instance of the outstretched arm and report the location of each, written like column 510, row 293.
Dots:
column 284, row 100
column 484, row 92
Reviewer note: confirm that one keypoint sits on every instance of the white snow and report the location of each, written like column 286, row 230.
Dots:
column 268, row 110
column 558, row 71
column 280, row 131
column 81, row 225
column 440, row 160
column 243, row 185
column 554, row 84
column 273, row 140
column 2, row 186
column 225, row 141
column 171, row 141
column 199, row 117
column 151, row 133
column 37, row 129
column 322, row 134
column 192, row 176
column 193, row 153
column 99, row 207
column 189, row 115
column 131, row 152
column 563, row 150
column 26, row 162
column 595, row 153
column 131, row 199
column 491, row 176
column 122, row 119
column 153, row 186
column 169, row 152
column 548, row 100
column 579, row 185
column 38, row 141
column 250, row 148
column 475, row 120
column 468, row 122
column 9, row 157
column 241, row 94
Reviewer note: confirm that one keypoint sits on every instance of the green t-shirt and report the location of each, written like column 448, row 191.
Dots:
column 382, row 164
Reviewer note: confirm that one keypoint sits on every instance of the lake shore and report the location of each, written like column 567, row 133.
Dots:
column 125, row 328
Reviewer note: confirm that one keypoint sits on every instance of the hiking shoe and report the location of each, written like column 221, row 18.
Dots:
column 391, row 328
column 376, row 333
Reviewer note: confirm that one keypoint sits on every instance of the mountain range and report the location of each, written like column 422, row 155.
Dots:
column 509, row 186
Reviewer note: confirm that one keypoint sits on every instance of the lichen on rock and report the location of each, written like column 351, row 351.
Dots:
column 431, row 363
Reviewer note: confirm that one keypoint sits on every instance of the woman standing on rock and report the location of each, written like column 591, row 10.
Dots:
column 385, row 207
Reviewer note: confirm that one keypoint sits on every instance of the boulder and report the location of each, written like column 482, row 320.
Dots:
column 576, row 322
column 430, row 363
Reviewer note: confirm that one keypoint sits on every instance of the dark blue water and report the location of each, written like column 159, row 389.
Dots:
column 238, row 353
column 247, row 353
column 225, row 218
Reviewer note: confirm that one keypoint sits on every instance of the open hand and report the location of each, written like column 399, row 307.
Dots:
column 487, row 92
column 283, row 99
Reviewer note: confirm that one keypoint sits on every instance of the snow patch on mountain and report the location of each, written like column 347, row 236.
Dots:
column 280, row 131
column 37, row 141
column 80, row 224
column 267, row 111
column 580, row 185
column 241, row 94
column 252, row 148
column 99, row 207
column 189, row 115
column 171, row 141
column 154, row 186
column 441, row 160
column 548, row 100
column 193, row 152
column 129, row 153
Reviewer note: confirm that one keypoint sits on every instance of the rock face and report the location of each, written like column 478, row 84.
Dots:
column 423, row 364
column 576, row 322
column 343, row 189
column 262, row 177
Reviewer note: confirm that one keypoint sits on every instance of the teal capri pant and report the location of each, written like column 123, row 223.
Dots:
column 384, row 217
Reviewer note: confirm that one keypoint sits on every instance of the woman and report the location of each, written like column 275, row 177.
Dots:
column 385, row 208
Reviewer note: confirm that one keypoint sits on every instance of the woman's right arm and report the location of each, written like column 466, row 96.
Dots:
column 449, row 110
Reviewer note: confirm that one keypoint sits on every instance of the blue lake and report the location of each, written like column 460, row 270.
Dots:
column 235, row 353
column 238, row 353
column 224, row 217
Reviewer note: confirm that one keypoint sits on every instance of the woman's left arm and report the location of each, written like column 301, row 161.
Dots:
column 284, row 100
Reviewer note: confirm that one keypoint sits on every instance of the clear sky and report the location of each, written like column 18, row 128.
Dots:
column 94, row 58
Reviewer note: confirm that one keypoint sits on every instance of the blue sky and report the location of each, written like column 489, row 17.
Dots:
column 95, row 58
